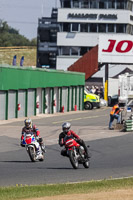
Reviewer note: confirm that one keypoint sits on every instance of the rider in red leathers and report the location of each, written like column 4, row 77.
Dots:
column 29, row 127
column 66, row 131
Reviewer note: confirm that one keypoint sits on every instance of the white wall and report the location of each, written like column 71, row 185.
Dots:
column 112, row 86
column 63, row 62
column 77, row 39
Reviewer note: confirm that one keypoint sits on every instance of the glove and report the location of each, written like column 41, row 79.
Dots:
column 37, row 138
column 78, row 140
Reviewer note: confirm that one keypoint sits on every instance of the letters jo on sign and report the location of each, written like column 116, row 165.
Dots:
column 123, row 46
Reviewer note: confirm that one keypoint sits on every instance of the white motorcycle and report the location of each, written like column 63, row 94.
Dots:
column 33, row 147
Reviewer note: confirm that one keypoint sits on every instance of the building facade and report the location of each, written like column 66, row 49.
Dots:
column 47, row 41
column 81, row 22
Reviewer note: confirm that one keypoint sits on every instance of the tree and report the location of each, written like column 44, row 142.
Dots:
column 11, row 37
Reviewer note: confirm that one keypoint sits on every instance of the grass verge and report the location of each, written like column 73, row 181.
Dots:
column 7, row 54
column 23, row 192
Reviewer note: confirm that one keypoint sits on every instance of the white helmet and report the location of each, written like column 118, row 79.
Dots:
column 66, row 127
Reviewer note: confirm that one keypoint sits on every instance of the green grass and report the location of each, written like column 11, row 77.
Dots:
column 22, row 192
column 7, row 54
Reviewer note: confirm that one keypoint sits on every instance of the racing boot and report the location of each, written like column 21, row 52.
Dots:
column 43, row 147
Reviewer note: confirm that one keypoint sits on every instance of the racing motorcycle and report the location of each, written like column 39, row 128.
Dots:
column 76, row 153
column 33, row 147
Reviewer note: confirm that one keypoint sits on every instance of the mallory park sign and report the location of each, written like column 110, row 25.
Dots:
column 91, row 16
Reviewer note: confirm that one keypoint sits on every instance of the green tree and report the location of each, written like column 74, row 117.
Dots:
column 11, row 37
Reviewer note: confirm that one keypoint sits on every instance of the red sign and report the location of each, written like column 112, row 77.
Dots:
column 118, row 48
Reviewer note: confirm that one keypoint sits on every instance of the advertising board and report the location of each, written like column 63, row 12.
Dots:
column 115, row 48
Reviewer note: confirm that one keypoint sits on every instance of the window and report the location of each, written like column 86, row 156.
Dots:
column 120, row 4
column 65, row 50
column 111, row 28
column 111, row 3
column 75, row 27
column 44, row 35
column 129, row 5
column 74, row 51
column 93, row 27
column 93, row 4
column 85, row 4
column 66, row 27
column 129, row 29
column 102, row 28
column 83, row 50
column 75, row 4
column 53, row 35
column 67, row 4
column 102, row 4
column 84, row 27
column 120, row 28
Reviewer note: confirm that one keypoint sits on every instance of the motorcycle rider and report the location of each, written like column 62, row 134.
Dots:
column 67, row 132
column 29, row 127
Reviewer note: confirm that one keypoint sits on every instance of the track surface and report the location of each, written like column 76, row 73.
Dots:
column 112, row 151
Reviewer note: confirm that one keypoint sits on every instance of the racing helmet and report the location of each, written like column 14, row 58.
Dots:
column 28, row 123
column 66, row 127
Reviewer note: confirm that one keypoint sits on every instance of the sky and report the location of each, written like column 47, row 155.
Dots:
column 23, row 15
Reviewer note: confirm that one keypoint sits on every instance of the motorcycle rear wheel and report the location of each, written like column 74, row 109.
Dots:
column 86, row 164
column 32, row 153
column 73, row 160
column 42, row 159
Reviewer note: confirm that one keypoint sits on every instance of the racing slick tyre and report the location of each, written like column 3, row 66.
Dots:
column 73, row 160
column 32, row 153
column 42, row 159
column 86, row 164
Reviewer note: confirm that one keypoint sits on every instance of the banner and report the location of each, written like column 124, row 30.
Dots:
column 115, row 48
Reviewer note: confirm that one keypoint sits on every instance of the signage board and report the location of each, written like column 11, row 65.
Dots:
column 115, row 48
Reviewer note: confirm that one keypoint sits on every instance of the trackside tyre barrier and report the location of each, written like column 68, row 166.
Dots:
column 128, row 124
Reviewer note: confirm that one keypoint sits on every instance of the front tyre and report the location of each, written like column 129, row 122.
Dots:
column 32, row 153
column 73, row 160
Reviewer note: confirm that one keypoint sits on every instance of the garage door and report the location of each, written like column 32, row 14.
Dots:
column 31, row 102
column 21, row 101
column 65, row 98
column 11, row 104
column 2, row 105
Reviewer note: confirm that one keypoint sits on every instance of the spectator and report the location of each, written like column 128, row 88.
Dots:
column 97, row 90
column 93, row 89
column 101, row 92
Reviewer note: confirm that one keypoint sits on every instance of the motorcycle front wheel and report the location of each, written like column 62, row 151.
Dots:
column 32, row 153
column 73, row 160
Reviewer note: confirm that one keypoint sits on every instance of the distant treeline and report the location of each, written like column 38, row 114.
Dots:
column 11, row 37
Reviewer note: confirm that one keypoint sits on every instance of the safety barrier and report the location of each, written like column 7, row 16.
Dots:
column 128, row 124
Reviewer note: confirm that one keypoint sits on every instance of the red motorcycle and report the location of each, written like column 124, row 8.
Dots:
column 76, row 153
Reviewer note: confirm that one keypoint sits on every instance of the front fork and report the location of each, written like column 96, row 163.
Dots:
column 76, row 155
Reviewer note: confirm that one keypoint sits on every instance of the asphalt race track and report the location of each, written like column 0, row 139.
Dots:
column 112, row 157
